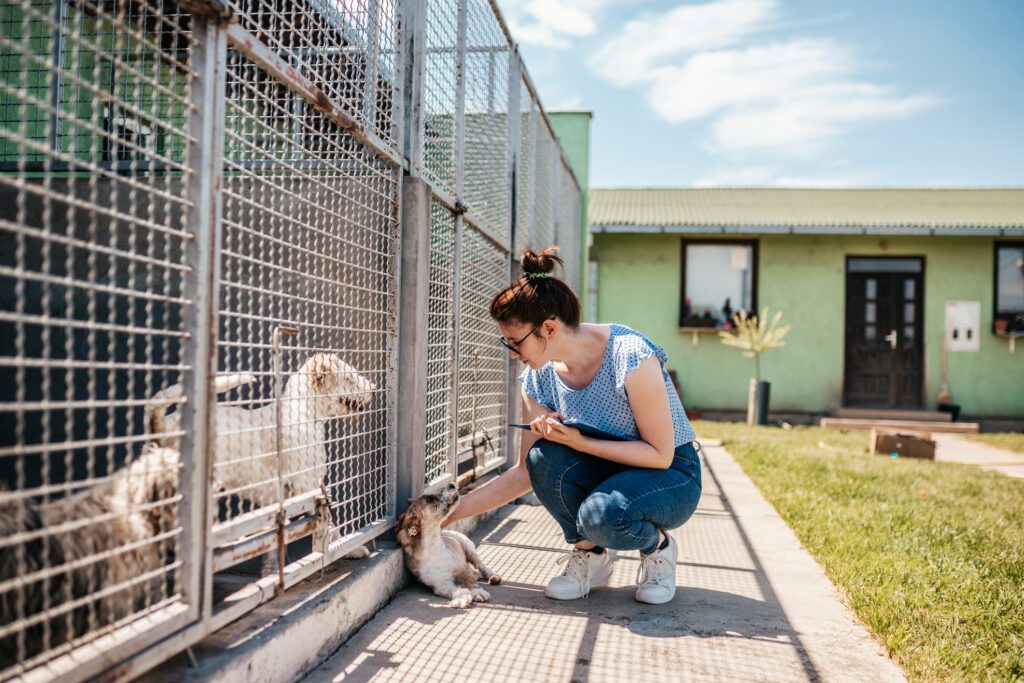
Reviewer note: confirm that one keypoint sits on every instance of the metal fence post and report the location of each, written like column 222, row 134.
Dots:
column 460, row 175
column 205, row 158
column 514, row 80
column 412, row 43
column 413, row 319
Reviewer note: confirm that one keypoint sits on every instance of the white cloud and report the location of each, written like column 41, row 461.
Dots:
column 643, row 43
column 791, row 96
column 712, row 81
column 805, row 122
column 553, row 23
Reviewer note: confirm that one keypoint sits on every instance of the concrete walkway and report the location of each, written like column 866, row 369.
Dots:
column 955, row 448
column 752, row 605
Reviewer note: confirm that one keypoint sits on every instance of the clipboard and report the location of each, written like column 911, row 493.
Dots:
column 585, row 430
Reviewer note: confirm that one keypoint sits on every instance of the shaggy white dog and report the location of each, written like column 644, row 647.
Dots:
column 245, row 451
column 104, row 547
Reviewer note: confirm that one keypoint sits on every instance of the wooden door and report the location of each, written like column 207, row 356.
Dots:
column 884, row 351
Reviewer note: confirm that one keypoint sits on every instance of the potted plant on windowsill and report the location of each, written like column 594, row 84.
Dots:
column 755, row 336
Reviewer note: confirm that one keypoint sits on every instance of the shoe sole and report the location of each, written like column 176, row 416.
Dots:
column 662, row 602
column 603, row 582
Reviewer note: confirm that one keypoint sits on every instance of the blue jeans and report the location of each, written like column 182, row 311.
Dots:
column 613, row 505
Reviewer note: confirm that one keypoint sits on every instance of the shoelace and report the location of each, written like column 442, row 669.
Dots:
column 653, row 569
column 578, row 566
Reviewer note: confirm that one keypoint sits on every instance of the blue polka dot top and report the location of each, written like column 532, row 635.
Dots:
column 603, row 403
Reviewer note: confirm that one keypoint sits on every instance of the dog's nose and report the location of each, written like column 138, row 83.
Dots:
column 451, row 487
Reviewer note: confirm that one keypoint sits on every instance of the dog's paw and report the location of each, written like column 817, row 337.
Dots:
column 360, row 553
column 480, row 595
column 494, row 580
column 462, row 599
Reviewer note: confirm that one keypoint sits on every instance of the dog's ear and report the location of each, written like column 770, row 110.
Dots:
column 408, row 528
column 321, row 372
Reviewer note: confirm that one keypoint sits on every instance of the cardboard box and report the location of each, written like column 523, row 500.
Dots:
column 908, row 445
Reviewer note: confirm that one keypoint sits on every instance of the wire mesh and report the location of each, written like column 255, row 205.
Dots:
column 440, row 346
column 568, row 226
column 483, row 380
column 310, row 243
column 96, row 105
column 439, row 74
column 94, row 108
column 486, row 119
column 347, row 48
column 546, row 187
column 525, row 170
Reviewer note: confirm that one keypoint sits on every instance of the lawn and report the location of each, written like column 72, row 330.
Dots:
column 1011, row 441
column 929, row 555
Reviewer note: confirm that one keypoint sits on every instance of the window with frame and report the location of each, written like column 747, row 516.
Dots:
column 1009, row 287
column 719, row 279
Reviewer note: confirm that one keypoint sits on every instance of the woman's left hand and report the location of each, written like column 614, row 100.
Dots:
column 560, row 433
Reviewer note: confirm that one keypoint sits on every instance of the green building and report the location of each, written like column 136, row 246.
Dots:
column 891, row 294
column 573, row 131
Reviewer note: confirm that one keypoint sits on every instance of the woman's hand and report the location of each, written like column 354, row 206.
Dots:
column 539, row 425
column 549, row 426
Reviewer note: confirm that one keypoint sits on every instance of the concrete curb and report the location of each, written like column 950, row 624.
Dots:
column 830, row 637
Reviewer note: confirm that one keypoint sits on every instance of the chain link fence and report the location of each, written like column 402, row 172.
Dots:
column 202, row 226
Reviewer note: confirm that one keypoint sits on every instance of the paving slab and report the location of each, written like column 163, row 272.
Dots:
column 955, row 448
column 752, row 605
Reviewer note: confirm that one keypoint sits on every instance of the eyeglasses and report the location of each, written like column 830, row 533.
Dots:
column 514, row 345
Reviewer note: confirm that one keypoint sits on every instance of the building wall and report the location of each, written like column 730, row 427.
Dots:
column 573, row 130
column 804, row 276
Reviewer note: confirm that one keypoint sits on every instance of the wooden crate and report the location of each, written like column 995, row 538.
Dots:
column 906, row 444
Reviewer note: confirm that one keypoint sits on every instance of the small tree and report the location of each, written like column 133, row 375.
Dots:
column 755, row 335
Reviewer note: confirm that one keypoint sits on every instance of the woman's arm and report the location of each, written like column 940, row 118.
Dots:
column 645, row 388
column 509, row 485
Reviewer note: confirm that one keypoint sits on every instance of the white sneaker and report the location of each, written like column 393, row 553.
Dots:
column 656, row 579
column 583, row 571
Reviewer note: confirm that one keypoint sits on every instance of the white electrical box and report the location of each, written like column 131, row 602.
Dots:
column 963, row 325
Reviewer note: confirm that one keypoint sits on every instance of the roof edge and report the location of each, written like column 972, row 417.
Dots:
column 975, row 231
column 745, row 188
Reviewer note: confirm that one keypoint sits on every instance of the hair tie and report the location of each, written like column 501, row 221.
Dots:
column 533, row 276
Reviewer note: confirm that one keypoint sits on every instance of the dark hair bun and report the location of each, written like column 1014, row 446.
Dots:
column 544, row 262
column 537, row 295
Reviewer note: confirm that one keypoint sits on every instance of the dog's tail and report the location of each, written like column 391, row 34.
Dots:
column 156, row 407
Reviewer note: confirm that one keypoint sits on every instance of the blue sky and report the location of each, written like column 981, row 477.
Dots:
column 908, row 93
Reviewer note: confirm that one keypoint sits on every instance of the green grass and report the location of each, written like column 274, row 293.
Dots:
column 1011, row 441
column 929, row 555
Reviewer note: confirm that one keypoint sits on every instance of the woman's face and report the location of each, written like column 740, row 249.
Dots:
column 525, row 345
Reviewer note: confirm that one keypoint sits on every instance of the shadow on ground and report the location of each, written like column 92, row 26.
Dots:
column 726, row 621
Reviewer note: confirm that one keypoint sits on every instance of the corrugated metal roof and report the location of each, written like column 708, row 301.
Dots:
column 783, row 209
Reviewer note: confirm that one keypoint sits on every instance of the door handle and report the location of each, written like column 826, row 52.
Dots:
column 892, row 338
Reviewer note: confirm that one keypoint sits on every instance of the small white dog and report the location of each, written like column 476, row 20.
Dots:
column 245, row 450
column 445, row 561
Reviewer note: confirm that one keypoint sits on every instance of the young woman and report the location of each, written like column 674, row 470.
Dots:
column 605, row 494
